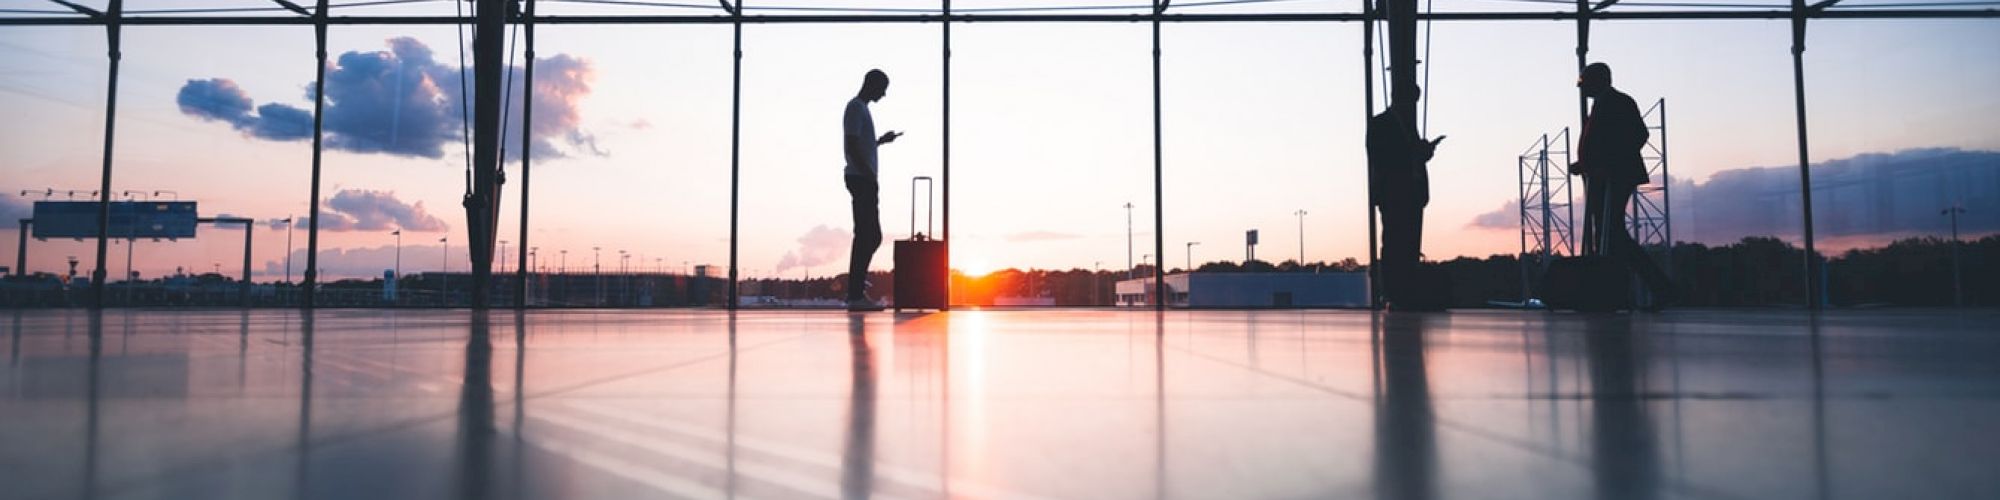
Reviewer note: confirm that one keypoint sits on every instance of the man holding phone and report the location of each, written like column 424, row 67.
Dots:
column 1400, row 188
column 859, row 143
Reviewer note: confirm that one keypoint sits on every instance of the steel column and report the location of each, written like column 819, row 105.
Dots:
column 311, row 284
column 1799, row 11
column 735, row 149
column 482, row 207
column 111, row 20
column 21, row 253
column 945, row 159
column 1159, row 201
column 527, row 147
column 1368, row 105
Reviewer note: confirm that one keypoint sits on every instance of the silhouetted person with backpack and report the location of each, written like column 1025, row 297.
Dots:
column 858, row 143
column 1400, row 187
column 1612, row 167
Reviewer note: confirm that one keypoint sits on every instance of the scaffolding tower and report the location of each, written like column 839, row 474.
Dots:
column 1650, row 218
column 1546, row 207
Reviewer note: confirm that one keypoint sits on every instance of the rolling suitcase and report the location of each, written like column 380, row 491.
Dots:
column 1588, row 283
column 922, row 276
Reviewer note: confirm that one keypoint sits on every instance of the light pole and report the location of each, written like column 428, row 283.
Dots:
column 624, row 278
column 129, row 243
column 399, row 253
column 563, row 266
column 597, row 273
column 1302, row 236
column 1957, row 288
column 503, row 256
column 1129, row 270
column 288, row 250
column 444, row 277
column 1190, row 255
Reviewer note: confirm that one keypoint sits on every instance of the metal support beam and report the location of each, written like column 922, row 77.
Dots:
column 521, row 271
column 248, row 227
column 1402, row 15
column 1648, row 15
column 21, row 252
column 1368, row 107
column 1800, row 12
column 1160, row 295
column 111, row 31
column 482, row 207
column 295, row 8
column 735, row 151
column 310, row 286
column 1583, row 14
column 945, row 159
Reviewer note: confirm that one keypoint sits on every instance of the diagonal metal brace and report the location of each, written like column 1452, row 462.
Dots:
column 80, row 9
column 293, row 7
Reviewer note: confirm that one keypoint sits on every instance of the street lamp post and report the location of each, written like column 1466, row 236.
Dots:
column 399, row 254
column 444, row 277
column 288, row 250
column 1190, row 255
column 503, row 256
column 1129, row 270
column 1957, row 287
column 1302, row 236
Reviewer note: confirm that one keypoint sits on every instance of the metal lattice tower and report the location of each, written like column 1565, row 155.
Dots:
column 1650, row 218
column 1546, row 206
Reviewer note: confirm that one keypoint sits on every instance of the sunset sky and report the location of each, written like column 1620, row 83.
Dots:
column 1052, row 130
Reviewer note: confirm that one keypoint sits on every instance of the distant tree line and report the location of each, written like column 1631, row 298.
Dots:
column 1753, row 272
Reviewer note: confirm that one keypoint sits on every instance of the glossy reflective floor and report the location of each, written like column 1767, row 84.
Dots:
column 999, row 404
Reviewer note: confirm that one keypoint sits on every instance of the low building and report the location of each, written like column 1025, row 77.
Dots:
column 1252, row 290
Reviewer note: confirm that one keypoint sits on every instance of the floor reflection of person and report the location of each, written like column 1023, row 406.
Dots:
column 1405, row 441
column 857, row 462
column 1624, row 449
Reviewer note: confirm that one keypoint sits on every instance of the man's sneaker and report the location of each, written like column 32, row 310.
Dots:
column 863, row 305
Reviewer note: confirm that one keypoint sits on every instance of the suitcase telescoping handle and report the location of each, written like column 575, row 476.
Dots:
column 928, row 208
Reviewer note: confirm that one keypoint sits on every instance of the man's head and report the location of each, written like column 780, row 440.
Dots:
column 875, row 85
column 1406, row 95
column 1595, row 80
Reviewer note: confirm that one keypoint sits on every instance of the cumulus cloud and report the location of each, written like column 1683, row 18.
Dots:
column 403, row 102
column 370, row 210
column 1507, row 217
column 819, row 246
column 1865, row 198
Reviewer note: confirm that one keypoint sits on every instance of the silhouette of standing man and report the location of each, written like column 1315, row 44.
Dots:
column 1400, row 187
column 859, row 142
column 1612, row 168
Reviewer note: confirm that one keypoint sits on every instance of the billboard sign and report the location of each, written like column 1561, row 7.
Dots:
column 129, row 219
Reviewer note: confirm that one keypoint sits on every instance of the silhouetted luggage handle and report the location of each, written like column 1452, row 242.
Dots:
column 929, row 210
